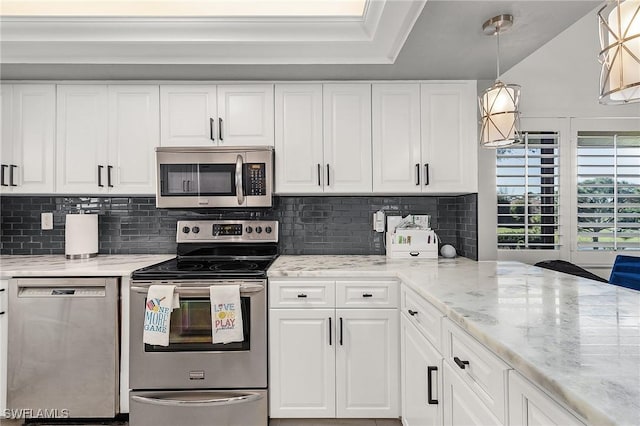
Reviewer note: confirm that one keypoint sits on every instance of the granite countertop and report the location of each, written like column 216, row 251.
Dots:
column 578, row 339
column 59, row 266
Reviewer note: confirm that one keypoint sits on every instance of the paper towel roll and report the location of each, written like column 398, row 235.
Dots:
column 81, row 236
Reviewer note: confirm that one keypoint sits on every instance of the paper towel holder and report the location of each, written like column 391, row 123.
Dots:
column 81, row 236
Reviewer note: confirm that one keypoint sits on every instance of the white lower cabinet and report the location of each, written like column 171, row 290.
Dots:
column 461, row 405
column 529, row 406
column 3, row 345
column 326, row 361
column 421, row 378
column 367, row 382
column 302, row 363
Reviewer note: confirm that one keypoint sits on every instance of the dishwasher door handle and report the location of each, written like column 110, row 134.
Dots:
column 206, row 401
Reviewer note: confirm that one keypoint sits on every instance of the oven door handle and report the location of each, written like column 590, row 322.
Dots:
column 206, row 401
column 239, row 191
column 204, row 291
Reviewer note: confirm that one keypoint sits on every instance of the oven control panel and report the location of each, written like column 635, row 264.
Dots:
column 203, row 231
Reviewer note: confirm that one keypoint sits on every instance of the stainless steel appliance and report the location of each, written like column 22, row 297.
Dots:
column 214, row 176
column 63, row 346
column 192, row 381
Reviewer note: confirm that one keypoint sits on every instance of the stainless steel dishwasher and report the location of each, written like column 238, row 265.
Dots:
column 63, row 351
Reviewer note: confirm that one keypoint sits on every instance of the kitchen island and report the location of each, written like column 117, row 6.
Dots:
column 576, row 339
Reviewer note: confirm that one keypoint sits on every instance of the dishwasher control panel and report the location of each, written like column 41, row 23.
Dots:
column 62, row 292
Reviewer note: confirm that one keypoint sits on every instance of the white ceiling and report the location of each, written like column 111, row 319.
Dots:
column 446, row 42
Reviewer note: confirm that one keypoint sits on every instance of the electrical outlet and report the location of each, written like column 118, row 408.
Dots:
column 46, row 221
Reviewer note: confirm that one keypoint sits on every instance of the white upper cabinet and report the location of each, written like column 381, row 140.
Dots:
column 323, row 138
column 396, row 138
column 189, row 115
column 106, row 137
column 347, row 138
column 449, row 139
column 245, row 114
column 28, row 138
column 134, row 123
column 298, row 148
column 209, row 115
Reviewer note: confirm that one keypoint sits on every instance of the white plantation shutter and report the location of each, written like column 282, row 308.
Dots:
column 527, row 182
column 608, row 191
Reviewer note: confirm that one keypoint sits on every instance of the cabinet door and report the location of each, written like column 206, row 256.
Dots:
column 421, row 378
column 34, row 115
column 528, row 406
column 461, row 405
column 298, row 144
column 6, row 133
column 188, row 115
column 3, row 345
column 347, row 138
column 449, row 139
column 396, row 138
column 245, row 114
column 133, row 135
column 81, row 151
column 367, row 367
column 302, row 363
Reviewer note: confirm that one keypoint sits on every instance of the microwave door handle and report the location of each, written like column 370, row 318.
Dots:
column 239, row 191
column 205, row 401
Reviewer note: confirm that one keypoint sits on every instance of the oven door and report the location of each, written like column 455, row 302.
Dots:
column 191, row 360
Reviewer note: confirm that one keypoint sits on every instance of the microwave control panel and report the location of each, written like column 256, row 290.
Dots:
column 256, row 179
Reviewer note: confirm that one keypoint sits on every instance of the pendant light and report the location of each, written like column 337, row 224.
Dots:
column 620, row 55
column 499, row 103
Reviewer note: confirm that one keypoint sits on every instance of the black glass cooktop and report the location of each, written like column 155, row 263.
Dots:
column 202, row 262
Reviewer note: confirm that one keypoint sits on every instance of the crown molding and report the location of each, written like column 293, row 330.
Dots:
column 374, row 39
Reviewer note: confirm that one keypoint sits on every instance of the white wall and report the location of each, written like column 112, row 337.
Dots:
column 561, row 80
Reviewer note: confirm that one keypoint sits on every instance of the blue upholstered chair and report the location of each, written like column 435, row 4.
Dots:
column 626, row 272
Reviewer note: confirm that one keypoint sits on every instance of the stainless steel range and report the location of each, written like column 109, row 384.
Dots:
column 193, row 381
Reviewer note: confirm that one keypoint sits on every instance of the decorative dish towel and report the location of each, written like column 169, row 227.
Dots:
column 226, row 314
column 161, row 300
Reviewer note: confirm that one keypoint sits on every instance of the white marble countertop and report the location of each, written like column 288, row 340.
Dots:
column 59, row 266
column 576, row 338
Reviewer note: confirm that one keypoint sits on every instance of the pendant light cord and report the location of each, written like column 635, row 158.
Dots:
column 498, row 54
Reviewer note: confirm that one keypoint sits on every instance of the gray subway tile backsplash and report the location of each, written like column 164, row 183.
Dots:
column 308, row 225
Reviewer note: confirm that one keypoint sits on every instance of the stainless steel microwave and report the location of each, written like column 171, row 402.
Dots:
column 227, row 177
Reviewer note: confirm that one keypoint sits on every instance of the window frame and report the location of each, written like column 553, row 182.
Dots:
column 595, row 258
column 531, row 256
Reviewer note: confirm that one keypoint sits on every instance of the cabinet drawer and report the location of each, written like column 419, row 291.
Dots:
column 300, row 294
column 367, row 294
column 479, row 368
column 423, row 315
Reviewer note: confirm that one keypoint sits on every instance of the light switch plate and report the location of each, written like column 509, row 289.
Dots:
column 46, row 221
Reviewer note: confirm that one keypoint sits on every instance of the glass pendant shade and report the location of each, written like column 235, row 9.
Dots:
column 500, row 116
column 620, row 54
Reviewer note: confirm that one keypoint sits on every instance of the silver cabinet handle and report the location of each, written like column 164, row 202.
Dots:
column 220, row 129
column 4, row 166
column 204, row 402
column 239, row 192
column 11, row 167
column 211, row 126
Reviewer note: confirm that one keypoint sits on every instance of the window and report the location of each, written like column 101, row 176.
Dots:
column 527, row 184
column 608, row 191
